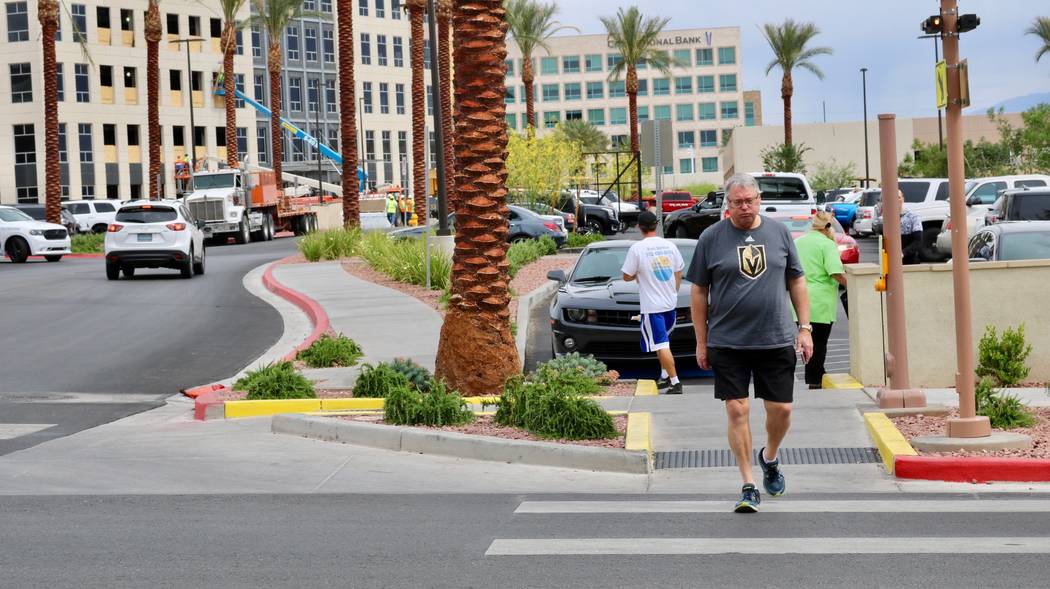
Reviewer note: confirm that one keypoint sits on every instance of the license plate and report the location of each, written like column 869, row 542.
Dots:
column 145, row 237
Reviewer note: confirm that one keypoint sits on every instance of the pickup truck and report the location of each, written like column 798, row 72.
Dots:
column 673, row 200
column 783, row 194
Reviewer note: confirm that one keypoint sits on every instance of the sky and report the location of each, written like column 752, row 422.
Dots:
column 878, row 35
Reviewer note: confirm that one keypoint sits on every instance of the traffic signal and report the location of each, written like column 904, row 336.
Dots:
column 968, row 22
column 933, row 25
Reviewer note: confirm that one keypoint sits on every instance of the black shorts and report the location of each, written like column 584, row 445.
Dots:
column 773, row 371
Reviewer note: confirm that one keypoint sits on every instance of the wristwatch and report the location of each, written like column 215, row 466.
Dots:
column 807, row 327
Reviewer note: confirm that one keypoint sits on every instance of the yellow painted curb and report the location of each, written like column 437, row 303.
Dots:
column 481, row 400
column 645, row 388
column 256, row 408
column 352, row 404
column 639, row 432
column 888, row 438
column 840, row 381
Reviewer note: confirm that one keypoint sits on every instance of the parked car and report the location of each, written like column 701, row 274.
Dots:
column 595, row 218
column 39, row 213
column 844, row 207
column 849, row 252
column 864, row 219
column 672, row 200
column 982, row 195
column 542, row 208
column 690, row 223
column 22, row 236
column 524, row 224
column 783, row 194
column 154, row 234
column 595, row 312
column 93, row 215
column 627, row 212
column 1011, row 241
column 928, row 199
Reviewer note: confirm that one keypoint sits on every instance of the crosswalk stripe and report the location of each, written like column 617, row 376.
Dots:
column 10, row 431
column 822, row 546
column 873, row 506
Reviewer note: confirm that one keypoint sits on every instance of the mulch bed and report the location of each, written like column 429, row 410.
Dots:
column 924, row 425
column 484, row 425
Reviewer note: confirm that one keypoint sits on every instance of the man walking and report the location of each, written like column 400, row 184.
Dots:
column 391, row 209
column 657, row 266
column 746, row 275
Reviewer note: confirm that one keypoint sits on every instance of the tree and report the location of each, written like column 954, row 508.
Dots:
column 635, row 37
column 47, row 14
column 538, row 168
column 531, row 23
column 230, row 10
column 416, row 10
column 152, row 32
column 1041, row 28
column 785, row 157
column 348, row 114
column 790, row 44
column 587, row 137
column 476, row 352
column 830, row 174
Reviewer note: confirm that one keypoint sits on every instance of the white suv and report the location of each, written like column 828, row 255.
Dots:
column 981, row 196
column 21, row 236
column 154, row 234
column 92, row 215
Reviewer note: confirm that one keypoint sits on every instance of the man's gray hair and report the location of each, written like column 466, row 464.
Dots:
column 742, row 181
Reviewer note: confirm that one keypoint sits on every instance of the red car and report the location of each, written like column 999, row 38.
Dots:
column 849, row 253
column 673, row 200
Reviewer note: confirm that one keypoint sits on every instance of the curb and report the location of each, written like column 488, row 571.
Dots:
column 408, row 439
column 646, row 388
column 840, row 381
column 525, row 304
column 888, row 439
column 235, row 409
column 640, row 433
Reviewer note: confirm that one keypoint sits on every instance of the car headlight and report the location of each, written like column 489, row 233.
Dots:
column 233, row 214
column 576, row 315
column 36, row 231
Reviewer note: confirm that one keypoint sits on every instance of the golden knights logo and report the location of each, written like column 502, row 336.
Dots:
column 752, row 260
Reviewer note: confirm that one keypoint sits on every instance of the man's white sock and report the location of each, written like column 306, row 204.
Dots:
column 674, row 380
column 663, row 373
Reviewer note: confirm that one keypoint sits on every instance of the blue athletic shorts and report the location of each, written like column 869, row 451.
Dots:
column 656, row 330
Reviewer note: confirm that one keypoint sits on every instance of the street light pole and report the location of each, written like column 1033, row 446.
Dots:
column 439, row 133
column 361, row 140
column 189, row 83
column 319, row 136
column 864, row 85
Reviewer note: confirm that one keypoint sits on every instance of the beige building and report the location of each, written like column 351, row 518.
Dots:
column 844, row 142
column 703, row 98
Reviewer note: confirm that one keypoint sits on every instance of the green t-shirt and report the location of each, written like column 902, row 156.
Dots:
column 820, row 259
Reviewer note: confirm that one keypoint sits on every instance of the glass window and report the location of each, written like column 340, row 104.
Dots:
column 617, row 89
column 262, row 144
column 172, row 24
column 596, row 116
column 643, row 87
column 591, row 63
column 729, row 110
column 512, row 121
column 399, row 52
column 195, row 26
column 381, row 50
column 684, row 112
column 595, row 90
column 395, row 9
column 709, row 138
column 683, row 57
column 256, row 41
column 705, row 84
column 572, row 91
column 84, row 139
column 643, row 113
column 381, row 9
column 683, row 85
column 710, row 164
column 727, row 83
column 662, row 87
column 662, row 112
column 726, row 55
column 295, row 93
column 508, row 95
column 686, row 139
column 384, row 98
column 987, row 192
column 749, row 114
column 570, row 64
column 313, row 94
column 21, row 83
column 551, row 119
column 614, row 59
column 366, row 48
column 551, row 93
column 705, row 56
column 685, row 165
column 60, row 85
column 330, row 102
column 310, row 42
column 25, row 144
column 549, row 66
column 510, row 68
column 80, row 75
column 574, row 115
column 618, row 116
column 706, row 111
column 79, row 12
column 17, row 21
column 362, row 7
column 291, row 46
column 366, row 91
column 259, row 88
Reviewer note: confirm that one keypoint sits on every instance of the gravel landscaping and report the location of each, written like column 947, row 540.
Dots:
column 924, row 425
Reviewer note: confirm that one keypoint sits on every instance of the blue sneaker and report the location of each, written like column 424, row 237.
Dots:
column 772, row 478
column 749, row 500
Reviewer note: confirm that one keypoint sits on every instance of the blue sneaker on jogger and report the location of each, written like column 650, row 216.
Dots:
column 772, row 478
column 749, row 500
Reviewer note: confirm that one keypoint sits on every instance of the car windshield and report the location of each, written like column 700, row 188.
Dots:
column 803, row 224
column 782, row 188
column 871, row 199
column 146, row 214
column 13, row 216
column 214, row 181
column 604, row 264
column 37, row 213
column 914, row 191
column 1025, row 246
column 1030, row 207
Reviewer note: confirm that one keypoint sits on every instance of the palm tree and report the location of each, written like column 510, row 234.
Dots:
column 47, row 14
column 444, row 14
column 476, row 352
column 635, row 37
column 230, row 10
column 153, row 33
column 416, row 9
column 790, row 44
column 585, row 135
column 1041, row 28
column 275, row 16
column 531, row 23
column 348, row 114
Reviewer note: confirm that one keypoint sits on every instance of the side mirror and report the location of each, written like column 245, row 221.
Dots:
column 557, row 275
column 821, row 199
column 973, row 200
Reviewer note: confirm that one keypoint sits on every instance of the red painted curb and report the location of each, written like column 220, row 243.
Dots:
column 970, row 470
column 205, row 400
column 198, row 391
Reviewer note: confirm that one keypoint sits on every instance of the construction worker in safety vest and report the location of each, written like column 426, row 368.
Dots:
column 410, row 209
column 391, row 209
column 403, row 210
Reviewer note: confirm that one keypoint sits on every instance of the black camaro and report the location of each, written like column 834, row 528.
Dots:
column 595, row 312
column 689, row 223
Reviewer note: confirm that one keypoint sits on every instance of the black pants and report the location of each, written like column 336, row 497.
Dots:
column 815, row 367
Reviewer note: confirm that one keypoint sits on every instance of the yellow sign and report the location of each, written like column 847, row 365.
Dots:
column 941, row 79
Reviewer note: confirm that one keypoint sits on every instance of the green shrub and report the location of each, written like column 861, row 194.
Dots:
column 524, row 252
column 569, row 381
column 276, row 381
column 401, row 406
column 548, row 246
column 1004, row 411
column 88, row 243
column 587, row 364
column 404, row 260
column 418, row 377
column 583, row 239
column 333, row 244
column 330, row 351
column 438, row 407
column 1004, row 359
column 378, row 381
column 548, row 405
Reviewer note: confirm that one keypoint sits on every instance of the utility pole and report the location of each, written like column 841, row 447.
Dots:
column 189, row 84
column 867, row 167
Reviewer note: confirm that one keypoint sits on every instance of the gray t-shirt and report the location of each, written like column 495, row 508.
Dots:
column 747, row 273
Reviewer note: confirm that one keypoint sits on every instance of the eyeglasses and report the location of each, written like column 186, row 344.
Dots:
column 743, row 202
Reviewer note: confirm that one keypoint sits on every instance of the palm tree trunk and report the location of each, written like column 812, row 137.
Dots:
column 445, row 73
column 152, row 33
column 229, row 45
column 787, row 89
column 348, row 115
column 528, row 77
column 476, row 352
column 419, row 106
column 276, row 133
column 47, row 14
column 632, row 107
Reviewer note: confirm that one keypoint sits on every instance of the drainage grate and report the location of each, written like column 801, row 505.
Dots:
column 714, row 458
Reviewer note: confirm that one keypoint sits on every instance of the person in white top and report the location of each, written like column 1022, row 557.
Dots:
column 657, row 266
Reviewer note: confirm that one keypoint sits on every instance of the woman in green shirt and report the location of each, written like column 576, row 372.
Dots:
column 824, row 273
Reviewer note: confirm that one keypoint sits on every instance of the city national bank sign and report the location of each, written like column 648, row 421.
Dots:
column 706, row 38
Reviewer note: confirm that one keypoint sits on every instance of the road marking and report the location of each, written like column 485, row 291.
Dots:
column 874, row 506
column 822, row 546
column 10, row 431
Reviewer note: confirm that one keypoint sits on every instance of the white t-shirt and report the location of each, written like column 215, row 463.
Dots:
column 654, row 261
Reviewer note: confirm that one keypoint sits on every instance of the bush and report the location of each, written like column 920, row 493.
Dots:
column 588, row 365
column 571, row 381
column 276, row 381
column 583, row 239
column 330, row 351
column 1002, row 410
column 524, row 252
column 1004, row 359
column 549, row 405
column 88, row 243
column 378, row 381
column 404, row 260
column 418, row 377
column 438, row 407
column 333, row 244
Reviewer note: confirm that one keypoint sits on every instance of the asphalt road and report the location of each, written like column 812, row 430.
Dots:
column 437, row 541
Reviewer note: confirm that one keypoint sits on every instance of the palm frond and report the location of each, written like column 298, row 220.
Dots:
column 531, row 23
column 1041, row 28
column 789, row 43
column 636, row 36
